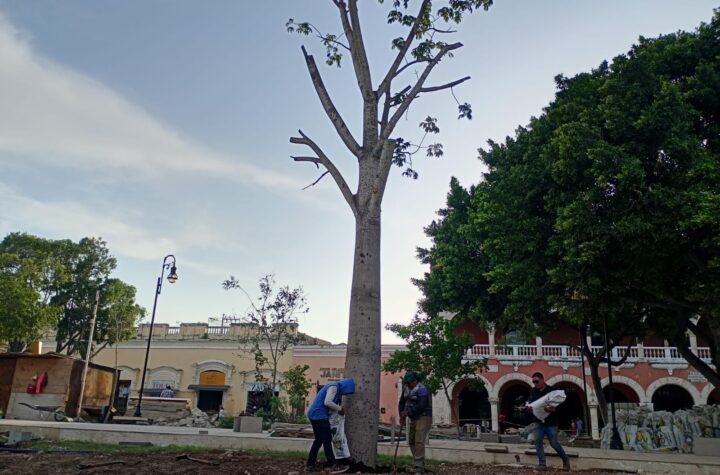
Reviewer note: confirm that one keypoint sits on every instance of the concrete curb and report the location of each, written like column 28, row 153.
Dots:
column 440, row 450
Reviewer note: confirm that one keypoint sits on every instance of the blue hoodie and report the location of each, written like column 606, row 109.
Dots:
column 317, row 409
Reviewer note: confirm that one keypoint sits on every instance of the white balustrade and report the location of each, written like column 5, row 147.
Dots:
column 650, row 354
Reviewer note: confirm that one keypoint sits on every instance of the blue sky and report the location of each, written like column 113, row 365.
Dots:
column 162, row 126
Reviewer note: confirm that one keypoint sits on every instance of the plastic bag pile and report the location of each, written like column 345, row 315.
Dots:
column 645, row 431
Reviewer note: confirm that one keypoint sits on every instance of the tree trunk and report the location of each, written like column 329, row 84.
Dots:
column 455, row 412
column 363, row 353
column 594, row 363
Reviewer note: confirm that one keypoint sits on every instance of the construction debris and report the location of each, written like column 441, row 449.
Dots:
column 646, row 431
column 190, row 418
column 301, row 431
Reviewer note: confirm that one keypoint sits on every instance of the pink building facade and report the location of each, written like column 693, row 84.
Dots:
column 654, row 375
column 327, row 363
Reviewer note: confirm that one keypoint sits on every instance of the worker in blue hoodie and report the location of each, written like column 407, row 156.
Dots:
column 416, row 404
column 327, row 401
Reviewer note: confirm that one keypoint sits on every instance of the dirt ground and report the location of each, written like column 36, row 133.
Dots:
column 228, row 462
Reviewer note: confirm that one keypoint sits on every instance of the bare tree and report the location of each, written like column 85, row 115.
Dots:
column 384, row 103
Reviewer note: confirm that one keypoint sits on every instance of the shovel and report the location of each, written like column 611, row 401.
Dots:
column 397, row 445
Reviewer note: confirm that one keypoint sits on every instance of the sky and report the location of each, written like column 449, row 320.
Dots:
column 163, row 127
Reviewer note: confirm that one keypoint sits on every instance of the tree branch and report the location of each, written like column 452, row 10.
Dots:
column 444, row 86
column 384, row 87
column 329, row 106
column 411, row 63
column 387, row 130
column 318, row 180
column 357, row 48
column 329, row 166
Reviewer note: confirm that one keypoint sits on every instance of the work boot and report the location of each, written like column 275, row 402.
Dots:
column 566, row 466
column 313, row 469
column 337, row 468
column 542, row 468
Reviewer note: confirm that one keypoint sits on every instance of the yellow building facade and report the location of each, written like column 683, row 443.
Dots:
column 208, row 365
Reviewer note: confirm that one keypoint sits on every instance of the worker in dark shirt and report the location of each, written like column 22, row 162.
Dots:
column 416, row 405
column 548, row 427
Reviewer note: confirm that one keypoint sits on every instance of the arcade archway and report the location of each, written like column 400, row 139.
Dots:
column 622, row 393
column 513, row 395
column 714, row 397
column 573, row 407
column 671, row 397
column 472, row 402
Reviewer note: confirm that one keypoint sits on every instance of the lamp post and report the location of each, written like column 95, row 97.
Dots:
column 583, row 335
column 615, row 441
column 168, row 263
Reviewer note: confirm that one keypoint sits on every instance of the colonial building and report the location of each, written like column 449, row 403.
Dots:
column 209, row 365
column 653, row 375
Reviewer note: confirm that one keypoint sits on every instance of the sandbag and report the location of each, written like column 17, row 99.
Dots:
column 553, row 398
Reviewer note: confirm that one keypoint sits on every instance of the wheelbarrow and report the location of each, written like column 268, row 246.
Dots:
column 45, row 412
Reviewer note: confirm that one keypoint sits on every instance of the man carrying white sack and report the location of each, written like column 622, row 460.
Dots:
column 543, row 402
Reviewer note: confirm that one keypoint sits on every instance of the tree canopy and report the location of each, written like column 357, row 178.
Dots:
column 46, row 284
column 606, row 207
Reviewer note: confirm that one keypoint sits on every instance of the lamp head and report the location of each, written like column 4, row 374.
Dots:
column 172, row 276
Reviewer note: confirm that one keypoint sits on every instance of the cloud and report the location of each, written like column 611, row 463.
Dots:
column 66, row 219
column 53, row 115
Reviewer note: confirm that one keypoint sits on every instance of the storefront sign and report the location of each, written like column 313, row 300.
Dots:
column 213, row 378
column 260, row 387
column 332, row 373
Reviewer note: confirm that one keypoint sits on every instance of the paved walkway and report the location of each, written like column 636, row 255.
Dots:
column 441, row 450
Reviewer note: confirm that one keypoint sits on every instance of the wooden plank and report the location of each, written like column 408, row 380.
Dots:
column 58, row 370
column 98, row 388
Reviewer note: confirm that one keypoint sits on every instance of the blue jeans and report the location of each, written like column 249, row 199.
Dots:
column 552, row 434
column 323, row 437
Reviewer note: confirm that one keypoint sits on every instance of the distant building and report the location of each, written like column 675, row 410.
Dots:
column 653, row 375
column 209, row 366
column 327, row 363
column 206, row 364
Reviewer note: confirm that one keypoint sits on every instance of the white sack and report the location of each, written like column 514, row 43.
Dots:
column 553, row 398
column 339, row 440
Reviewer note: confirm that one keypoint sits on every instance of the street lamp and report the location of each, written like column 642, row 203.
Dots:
column 615, row 441
column 172, row 278
column 583, row 336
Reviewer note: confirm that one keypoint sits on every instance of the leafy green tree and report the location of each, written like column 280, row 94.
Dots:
column 117, row 318
column 637, row 187
column 66, row 275
column 437, row 351
column 297, row 387
column 385, row 100
column 89, row 265
column 23, row 314
column 30, row 274
column 602, row 210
